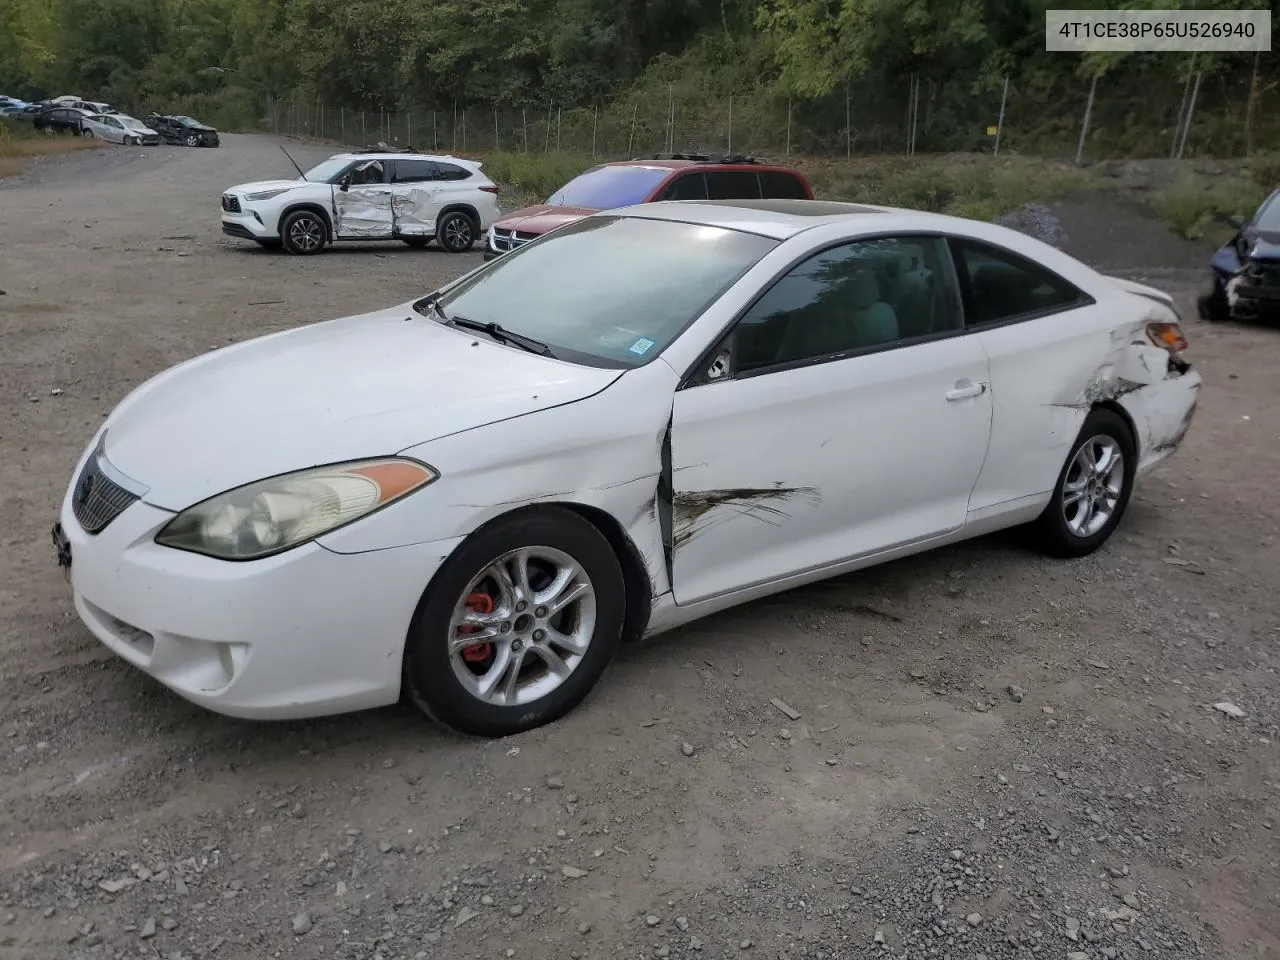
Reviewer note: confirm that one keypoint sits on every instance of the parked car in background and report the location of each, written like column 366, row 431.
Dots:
column 183, row 130
column 120, row 128
column 12, row 108
column 663, row 177
column 1244, row 281
column 473, row 499
column 61, row 119
column 414, row 198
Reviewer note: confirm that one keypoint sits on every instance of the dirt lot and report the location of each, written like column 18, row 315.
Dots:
column 916, row 808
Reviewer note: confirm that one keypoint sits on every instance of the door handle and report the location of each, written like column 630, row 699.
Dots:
column 966, row 389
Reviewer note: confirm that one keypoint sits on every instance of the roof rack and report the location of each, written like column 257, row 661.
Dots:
column 703, row 157
column 386, row 148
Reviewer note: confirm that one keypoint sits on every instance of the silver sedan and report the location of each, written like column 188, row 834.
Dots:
column 120, row 128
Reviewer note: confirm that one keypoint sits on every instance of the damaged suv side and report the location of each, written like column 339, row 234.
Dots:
column 1245, row 281
column 411, row 197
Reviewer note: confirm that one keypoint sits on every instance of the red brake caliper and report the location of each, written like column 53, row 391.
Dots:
column 478, row 652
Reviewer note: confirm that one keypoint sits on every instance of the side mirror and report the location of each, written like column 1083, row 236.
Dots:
column 345, row 183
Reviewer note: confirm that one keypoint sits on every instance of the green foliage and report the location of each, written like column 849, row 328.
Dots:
column 533, row 177
column 1194, row 204
column 844, row 66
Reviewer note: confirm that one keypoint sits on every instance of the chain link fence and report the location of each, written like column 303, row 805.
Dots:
column 1074, row 120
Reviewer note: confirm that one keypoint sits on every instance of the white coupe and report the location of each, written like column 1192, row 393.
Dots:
column 640, row 419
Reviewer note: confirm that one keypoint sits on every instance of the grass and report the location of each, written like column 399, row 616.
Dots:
column 20, row 144
column 1195, row 203
column 976, row 186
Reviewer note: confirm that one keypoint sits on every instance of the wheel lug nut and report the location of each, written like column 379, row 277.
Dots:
column 538, row 635
column 521, row 605
column 506, row 628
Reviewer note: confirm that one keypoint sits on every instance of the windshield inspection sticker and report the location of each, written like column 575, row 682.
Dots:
column 642, row 346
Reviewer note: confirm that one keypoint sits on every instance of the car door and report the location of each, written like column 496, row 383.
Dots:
column 845, row 414
column 415, row 192
column 362, row 203
column 1036, row 329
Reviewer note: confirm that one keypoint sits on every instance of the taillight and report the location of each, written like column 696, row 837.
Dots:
column 1167, row 335
column 492, row 189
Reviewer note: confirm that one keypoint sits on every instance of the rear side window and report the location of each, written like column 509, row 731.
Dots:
column 449, row 171
column 413, row 171
column 688, row 186
column 777, row 185
column 999, row 286
column 733, row 185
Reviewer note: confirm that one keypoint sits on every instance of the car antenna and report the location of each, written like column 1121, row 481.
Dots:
column 293, row 161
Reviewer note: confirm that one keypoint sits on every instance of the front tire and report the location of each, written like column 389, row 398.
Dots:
column 517, row 626
column 193, row 141
column 1093, row 489
column 456, row 231
column 303, row 233
column 1212, row 306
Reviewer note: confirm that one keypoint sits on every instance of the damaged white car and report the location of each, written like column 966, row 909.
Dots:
column 637, row 420
column 410, row 197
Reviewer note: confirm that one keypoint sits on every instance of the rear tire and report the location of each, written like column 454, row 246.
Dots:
column 546, row 660
column 1093, row 488
column 456, row 231
column 304, row 233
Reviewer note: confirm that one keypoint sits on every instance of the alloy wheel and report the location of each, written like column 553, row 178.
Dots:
column 1094, row 483
column 522, row 626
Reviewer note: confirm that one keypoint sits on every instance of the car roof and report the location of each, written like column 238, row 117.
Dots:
column 680, row 163
column 778, row 219
column 394, row 155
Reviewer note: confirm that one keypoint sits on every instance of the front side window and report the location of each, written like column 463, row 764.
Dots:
column 858, row 296
column 366, row 173
column 607, row 291
column 606, row 188
column 688, row 186
column 999, row 285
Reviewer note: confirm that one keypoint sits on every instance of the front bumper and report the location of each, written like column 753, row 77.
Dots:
column 306, row 633
column 247, row 225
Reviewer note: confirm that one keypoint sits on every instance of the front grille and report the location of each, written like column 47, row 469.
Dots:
column 230, row 203
column 97, row 499
column 504, row 240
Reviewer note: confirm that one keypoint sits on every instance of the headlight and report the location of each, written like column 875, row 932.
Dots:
column 267, row 194
column 284, row 512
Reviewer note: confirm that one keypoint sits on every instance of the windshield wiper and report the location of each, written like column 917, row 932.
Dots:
column 497, row 331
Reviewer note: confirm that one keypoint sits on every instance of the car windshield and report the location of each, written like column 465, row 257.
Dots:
column 186, row 120
column 131, row 123
column 605, row 188
column 1267, row 218
column 606, row 291
column 327, row 170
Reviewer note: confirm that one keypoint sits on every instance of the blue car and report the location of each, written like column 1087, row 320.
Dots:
column 1245, row 280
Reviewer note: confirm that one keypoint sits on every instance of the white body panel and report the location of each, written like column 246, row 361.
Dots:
column 802, row 468
column 722, row 492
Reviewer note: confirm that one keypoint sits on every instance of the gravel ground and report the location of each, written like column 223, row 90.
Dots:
column 996, row 755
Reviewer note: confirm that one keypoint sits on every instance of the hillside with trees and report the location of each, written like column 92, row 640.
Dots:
column 854, row 75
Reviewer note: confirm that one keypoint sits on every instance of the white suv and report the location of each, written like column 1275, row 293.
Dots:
column 411, row 197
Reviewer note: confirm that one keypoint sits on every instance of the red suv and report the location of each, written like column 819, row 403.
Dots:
column 627, row 182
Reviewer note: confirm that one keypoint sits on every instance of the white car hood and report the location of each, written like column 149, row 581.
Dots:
column 363, row 386
column 260, row 185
